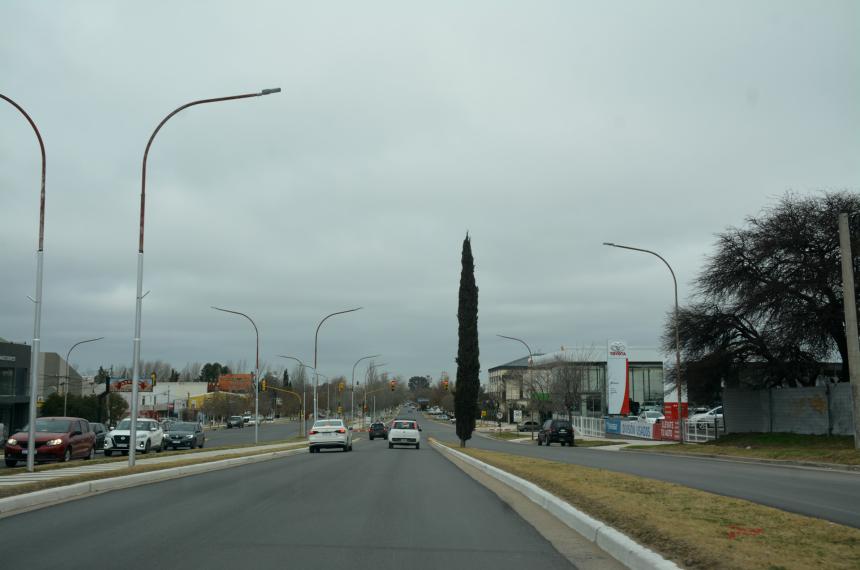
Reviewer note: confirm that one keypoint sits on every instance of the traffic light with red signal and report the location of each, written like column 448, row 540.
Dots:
column 445, row 384
column 393, row 385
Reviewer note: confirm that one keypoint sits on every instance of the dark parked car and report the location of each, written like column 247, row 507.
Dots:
column 57, row 439
column 528, row 425
column 101, row 432
column 184, row 434
column 377, row 429
column 235, row 421
column 555, row 431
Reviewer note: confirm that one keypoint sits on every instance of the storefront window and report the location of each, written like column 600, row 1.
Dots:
column 7, row 381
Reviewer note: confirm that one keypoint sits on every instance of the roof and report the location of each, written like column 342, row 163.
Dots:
column 518, row 363
column 635, row 354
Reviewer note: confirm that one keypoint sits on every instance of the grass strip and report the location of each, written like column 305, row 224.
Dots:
column 694, row 528
column 139, row 455
column 838, row 450
column 13, row 490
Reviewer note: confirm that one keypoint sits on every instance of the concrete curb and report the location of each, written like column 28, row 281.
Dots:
column 760, row 461
column 46, row 497
column 621, row 547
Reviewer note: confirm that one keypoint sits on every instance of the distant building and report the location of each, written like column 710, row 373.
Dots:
column 14, row 384
column 516, row 384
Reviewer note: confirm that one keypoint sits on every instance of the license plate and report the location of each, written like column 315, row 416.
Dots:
column 24, row 451
column 121, row 445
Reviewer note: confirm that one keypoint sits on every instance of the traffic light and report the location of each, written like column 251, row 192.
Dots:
column 341, row 386
column 263, row 386
column 445, row 384
column 393, row 385
column 153, row 379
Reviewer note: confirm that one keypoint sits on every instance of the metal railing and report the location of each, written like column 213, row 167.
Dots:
column 702, row 431
column 589, row 427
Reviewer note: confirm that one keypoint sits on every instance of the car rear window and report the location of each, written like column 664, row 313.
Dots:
column 563, row 424
column 404, row 425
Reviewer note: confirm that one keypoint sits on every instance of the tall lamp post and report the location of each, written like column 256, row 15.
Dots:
column 353, row 380
column 316, row 343
column 531, row 358
column 304, row 420
column 139, row 297
column 256, row 374
column 677, row 334
column 37, row 319
column 366, row 374
column 68, row 356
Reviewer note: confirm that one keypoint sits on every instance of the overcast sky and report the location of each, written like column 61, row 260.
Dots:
column 541, row 128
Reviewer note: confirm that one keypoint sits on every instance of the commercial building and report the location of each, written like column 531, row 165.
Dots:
column 575, row 379
column 14, row 384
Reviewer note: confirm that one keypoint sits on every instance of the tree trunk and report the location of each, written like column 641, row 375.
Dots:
column 462, row 443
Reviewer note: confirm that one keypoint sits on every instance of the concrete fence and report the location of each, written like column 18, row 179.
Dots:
column 821, row 410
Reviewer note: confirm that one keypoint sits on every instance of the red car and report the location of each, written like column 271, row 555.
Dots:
column 57, row 439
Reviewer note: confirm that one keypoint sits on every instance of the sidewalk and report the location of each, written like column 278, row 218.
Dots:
column 83, row 468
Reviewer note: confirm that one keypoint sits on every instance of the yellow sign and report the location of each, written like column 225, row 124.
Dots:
column 483, row 413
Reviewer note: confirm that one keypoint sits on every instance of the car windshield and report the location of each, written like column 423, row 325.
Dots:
column 184, row 426
column 328, row 423
column 126, row 424
column 49, row 425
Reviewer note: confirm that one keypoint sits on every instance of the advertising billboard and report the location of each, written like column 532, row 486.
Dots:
column 124, row 385
column 617, row 386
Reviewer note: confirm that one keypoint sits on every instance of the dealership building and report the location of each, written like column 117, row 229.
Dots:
column 602, row 377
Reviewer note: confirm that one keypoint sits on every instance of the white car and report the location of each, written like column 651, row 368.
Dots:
column 651, row 417
column 329, row 433
column 712, row 418
column 404, row 432
column 149, row 436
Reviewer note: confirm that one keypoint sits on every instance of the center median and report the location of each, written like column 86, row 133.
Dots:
column 27, row 496
column 693, row 528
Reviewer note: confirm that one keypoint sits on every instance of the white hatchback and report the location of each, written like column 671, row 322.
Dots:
column 404, row 432
column 329, row 433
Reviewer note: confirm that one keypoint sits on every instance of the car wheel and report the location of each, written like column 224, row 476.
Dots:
column 160, row 447
column 67, row 456
column 201, row 444
column 417, row 446
column 371, row 438
column 11, row 463
column 147, row 446
column 125, row 452
column 108, row 452
column 539, row 441
column 91, row 454
column 390, row 445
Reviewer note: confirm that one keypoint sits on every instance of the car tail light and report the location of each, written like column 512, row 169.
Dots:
column 341, row 430
column 313, row 432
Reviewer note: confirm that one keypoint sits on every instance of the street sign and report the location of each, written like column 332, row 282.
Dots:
column 499, row 415
column 483, row 413
column 518, row 416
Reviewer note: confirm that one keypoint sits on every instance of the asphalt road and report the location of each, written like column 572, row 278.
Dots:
column 373, row 508
column 269, row 431
column 830, row 495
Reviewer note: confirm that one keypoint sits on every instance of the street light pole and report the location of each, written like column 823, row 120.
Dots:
column 677, row 334
column 66, row 384
column 850, row 309
column 304, row 415
column 353, row 381
column 531, row 358
column 37, row 317
column 366, row 373
column 139, row 296
column 256, row 375
column 316, row 342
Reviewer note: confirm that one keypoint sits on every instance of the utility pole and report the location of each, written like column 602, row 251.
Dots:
column 851, row 337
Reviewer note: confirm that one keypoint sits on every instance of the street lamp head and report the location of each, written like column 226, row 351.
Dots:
column 609, row 243
column 270, row 91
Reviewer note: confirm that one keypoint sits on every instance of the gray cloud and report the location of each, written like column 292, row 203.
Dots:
column 543, row 128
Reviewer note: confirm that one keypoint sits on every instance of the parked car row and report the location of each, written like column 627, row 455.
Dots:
column 66, row 438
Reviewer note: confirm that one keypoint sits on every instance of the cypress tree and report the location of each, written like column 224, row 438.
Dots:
column 468, row 367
